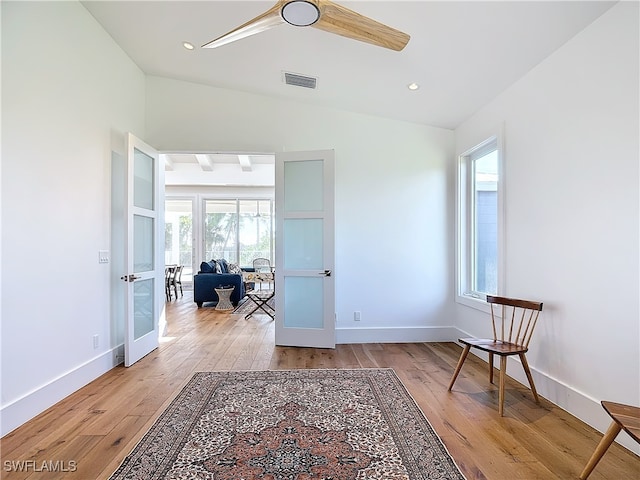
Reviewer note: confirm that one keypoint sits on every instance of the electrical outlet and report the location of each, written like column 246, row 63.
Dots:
column 356, row 316
column 96, row 341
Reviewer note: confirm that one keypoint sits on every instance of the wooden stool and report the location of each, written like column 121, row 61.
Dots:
column 625, row 417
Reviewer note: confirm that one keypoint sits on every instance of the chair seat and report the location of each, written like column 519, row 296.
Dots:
column 494, row 346
column 625, row 417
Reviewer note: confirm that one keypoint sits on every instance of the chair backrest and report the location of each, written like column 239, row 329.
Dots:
column 177, row 276
column 262, row 264
column 169, row 274
column 517, row 319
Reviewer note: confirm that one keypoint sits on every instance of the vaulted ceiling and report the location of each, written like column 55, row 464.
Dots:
column 462, row 54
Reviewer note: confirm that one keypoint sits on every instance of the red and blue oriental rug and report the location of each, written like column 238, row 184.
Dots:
column 291, row 425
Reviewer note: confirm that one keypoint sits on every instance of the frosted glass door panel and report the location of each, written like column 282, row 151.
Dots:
column 143, row 176
column 304, row 244
column 303, row 182
column 305, row 287
column 144, row 275
column 303, row 302
column 143, row 240
column 143, row 313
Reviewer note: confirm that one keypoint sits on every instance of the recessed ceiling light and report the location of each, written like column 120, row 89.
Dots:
column 188, row 46
column 413, row 86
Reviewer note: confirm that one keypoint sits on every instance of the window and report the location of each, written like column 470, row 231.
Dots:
column 178, row 249
column 238, row 230
column 479, row 221
column 220, row 229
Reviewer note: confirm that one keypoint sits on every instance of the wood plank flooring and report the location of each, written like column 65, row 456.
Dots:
column 92, row 430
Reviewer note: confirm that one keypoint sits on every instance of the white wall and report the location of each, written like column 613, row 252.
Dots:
column 68, row 94
column 393, row 231
column 572, row 213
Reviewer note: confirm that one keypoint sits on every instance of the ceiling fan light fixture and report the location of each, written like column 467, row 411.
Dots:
column 188, row 45
column 300, row 13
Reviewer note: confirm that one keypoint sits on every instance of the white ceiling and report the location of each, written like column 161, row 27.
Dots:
column 220, row 169
column 462, row 54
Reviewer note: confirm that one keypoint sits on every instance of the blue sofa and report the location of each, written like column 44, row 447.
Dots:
column 212, row 275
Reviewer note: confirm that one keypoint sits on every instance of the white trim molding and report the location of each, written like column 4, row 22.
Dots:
column 396, row 334
column 23, row 409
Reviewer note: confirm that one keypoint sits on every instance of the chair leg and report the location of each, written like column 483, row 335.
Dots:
column 490, row 367
column 602, row 447
column 503, row 374
column 463, row 356
column 525, row 365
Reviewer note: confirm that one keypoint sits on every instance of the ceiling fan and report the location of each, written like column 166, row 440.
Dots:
column 323, row 14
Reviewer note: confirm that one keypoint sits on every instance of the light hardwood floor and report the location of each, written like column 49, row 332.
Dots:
column 94, row 428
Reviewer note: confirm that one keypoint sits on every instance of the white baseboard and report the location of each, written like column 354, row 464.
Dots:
column 396, row 334
column 23, row 409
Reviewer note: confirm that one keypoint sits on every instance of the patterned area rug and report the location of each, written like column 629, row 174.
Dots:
column 291, row 425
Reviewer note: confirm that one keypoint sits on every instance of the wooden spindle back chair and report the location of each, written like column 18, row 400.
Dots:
column 513, row 322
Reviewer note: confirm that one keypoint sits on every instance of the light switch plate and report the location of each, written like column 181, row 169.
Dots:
column 103, row 256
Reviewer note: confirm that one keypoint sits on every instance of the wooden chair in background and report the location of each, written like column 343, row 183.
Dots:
column 512, row 332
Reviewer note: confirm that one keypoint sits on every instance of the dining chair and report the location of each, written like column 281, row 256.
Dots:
column 169, row 272
column 513, row 321
column 176, row 281
column 262, row 265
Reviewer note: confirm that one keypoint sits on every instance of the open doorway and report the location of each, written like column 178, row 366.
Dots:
column 218, row 205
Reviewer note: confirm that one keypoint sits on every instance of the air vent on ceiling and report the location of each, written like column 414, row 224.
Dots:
column 299, row 80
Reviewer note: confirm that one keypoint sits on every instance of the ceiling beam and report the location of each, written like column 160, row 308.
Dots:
column 245, row 163
column 205, row 162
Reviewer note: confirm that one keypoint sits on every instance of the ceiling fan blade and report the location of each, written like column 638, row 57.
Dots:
column 342, row 21
column 269, row 19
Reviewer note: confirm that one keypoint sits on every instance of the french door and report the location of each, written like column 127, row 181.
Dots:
column 305, row 311
column 144, row 278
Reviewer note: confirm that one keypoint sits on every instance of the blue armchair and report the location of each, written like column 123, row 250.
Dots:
column 207, row 280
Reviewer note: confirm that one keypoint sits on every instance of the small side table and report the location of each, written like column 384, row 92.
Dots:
column 224, row 298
